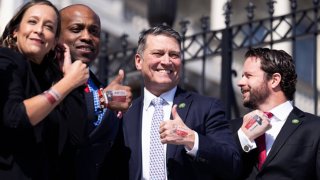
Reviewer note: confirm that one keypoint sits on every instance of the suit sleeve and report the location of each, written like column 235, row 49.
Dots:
column 217, row 146
column 318, row 163
column 13, row 72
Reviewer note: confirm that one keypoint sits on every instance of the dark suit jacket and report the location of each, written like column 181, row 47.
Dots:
column 217, row 157
column 96, row 150
column 295, row 153
column 64, row 145
column 26, row 151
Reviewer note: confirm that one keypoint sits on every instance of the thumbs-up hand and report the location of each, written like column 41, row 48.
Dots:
column 116, row 84
column 77, row 73
column 176, row 132
column 67, row 59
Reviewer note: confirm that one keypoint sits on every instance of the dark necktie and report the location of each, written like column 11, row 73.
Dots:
column 261, row 144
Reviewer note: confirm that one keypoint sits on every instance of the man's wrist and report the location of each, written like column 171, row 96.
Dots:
column 194, row 149
column 189, row 140
column 246, row 144
column 103, row 99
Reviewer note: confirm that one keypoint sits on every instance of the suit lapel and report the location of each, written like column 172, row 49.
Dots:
column 133, row 121
column 90, row 110
column 96, row 81
column 183, row 102
column 286, row 131
column 110, row 123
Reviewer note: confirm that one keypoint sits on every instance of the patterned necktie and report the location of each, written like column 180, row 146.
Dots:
column 157, row 158
column 91, row 87
column 261, row 143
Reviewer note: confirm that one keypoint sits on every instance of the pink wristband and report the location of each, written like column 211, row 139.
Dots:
column 52, row 95
column 49, row 97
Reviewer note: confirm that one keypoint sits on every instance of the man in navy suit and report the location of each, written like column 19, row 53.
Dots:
column 195, row 135
column 80, row 30
column 291, row 137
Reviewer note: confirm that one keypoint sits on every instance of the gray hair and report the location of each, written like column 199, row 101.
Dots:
column 157, row 30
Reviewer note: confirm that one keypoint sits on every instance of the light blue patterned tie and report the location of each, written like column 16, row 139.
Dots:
column 97, row 110
column 157, row 158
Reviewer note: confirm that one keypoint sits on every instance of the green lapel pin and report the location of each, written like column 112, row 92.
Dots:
column 182, row 105
column 295, row 121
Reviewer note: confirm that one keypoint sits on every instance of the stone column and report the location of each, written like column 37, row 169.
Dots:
column 318, row 71
column 282, row 8
column 216, row 14
column 7, row 10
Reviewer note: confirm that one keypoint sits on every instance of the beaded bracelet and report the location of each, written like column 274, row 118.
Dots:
column 103, row 100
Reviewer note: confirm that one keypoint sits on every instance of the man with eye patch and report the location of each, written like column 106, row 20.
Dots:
column 80, row 30
column 285, row 143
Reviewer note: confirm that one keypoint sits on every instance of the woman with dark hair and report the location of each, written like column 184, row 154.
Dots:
column 32, row 89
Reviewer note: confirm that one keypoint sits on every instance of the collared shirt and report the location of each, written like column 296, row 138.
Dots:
column 147, row 114
column 280, row 115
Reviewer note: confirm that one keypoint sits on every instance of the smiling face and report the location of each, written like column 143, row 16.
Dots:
column 36, row 32
column 159, row 63
column 80, row 30
column 254, row 84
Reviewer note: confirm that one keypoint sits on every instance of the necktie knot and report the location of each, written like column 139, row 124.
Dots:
column 268, row 114
column 157, row 101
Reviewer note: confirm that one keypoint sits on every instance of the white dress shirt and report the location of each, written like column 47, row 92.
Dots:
column 147, row 114
column 280, row 115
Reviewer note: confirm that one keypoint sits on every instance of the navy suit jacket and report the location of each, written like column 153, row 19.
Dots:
column 95, row 152
column 217, row 156
column 295, row 153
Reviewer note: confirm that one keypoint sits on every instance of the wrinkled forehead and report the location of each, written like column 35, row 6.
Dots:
column 162, row 40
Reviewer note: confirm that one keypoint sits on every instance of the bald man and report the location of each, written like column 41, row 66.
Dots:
column 80, row 30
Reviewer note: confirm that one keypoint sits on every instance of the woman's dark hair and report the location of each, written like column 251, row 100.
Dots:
column 277, row 61
column 53, row 57
column 7, row 39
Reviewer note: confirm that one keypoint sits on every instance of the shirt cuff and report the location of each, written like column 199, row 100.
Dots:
column 194, row 150
column 245, row 142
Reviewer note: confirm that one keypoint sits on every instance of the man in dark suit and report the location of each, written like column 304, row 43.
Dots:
column 196, row 140
column 291, row 137
column 80, row 30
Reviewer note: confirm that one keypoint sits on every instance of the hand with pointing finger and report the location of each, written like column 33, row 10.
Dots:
column 176, row 132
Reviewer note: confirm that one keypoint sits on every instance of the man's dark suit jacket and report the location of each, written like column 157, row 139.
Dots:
column 95, row 152
column 295, row 154
column 217, row 157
